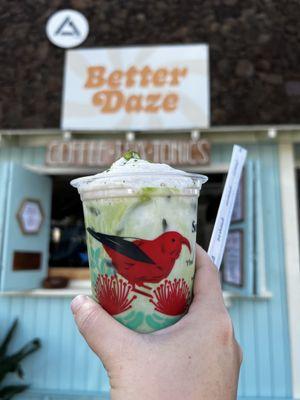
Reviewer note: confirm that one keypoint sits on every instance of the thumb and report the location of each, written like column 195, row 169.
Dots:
column 104, row 334
column 207, row 286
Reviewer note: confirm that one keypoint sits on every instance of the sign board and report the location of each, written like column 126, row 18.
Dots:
column 136, row 88
column 233, row 258
column 30, row 216
column 67, row 28
column 238, row 209
column 102, row 153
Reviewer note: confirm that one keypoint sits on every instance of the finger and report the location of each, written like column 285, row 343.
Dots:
column 103, row 333
column 207, row 278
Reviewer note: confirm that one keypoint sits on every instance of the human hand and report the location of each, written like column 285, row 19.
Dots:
column 197, row 358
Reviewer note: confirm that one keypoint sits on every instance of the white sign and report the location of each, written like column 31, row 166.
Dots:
column 30, row 216
column 67, row 28
column 136, row 88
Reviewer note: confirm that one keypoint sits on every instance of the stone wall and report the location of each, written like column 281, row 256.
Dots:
column 254, row 53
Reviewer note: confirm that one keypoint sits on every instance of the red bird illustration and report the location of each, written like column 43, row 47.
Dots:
column 143, row 261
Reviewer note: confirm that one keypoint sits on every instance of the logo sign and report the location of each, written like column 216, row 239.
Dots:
column 67, row 28
column 30, row 216
column 136, row 88
column 101, row 153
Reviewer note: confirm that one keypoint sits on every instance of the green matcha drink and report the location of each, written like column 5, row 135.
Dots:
column 141, row 220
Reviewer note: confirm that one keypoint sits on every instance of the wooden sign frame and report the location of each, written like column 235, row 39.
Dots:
column 20, row 220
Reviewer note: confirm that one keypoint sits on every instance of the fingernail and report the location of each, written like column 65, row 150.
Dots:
column 77, row 302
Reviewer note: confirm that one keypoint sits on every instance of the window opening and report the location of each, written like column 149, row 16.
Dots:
column 68, row 240
column 208, row 204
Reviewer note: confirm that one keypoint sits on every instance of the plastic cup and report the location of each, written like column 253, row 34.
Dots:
column 141, row 235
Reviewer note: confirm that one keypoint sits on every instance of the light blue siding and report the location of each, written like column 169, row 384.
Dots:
column 64, row 363
column 66, row 366
column 23, row 184
column 262, row 324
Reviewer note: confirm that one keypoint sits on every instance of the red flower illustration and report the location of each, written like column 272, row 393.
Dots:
column 112, row 294
column 172, row 298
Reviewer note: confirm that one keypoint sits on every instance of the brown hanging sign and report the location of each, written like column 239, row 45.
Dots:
column 102, row 153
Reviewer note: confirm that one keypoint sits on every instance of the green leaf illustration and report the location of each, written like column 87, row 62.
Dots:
column 132, row 320
column 157, row 322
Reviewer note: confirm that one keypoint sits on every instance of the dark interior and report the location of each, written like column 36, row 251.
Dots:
column 67, row 244
column 208, row 205
column 67, row 241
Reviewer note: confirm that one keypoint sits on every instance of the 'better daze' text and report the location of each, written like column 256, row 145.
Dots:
column 116, row 93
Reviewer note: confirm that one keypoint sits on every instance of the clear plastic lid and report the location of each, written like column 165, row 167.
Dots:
column 139, row 180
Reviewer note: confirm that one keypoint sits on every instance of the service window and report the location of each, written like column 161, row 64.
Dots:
column 208, row 204
column 52, row 239
column 242, row 269
column 67, row 251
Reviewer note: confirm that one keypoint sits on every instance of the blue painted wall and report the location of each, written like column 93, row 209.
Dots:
column 66, row 364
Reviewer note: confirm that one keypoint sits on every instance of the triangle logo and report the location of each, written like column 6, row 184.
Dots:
column 67, row 28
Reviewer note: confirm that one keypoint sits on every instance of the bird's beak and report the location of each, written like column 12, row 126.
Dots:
column 187, row 243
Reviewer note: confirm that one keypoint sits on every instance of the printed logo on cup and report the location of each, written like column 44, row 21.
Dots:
column 67, row 28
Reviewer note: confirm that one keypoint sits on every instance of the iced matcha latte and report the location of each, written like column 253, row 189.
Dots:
column 141, row 220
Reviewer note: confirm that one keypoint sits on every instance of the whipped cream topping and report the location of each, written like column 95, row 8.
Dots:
column 139, row 165
column 138, row 173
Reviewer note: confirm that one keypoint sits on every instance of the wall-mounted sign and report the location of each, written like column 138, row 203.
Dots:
column 233, row 259
column 102, row 153
column 238, row 209
column 136, row 88
column 27, row 260
column 30, row 216
column 67, row 28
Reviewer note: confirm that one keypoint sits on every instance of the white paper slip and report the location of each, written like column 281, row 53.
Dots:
column 221, row 227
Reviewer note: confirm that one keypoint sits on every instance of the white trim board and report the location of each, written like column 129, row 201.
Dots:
column 224, row 129
column 47, row 170
column 292, row 258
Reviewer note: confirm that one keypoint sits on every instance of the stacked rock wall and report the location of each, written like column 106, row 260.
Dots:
column 254, row 53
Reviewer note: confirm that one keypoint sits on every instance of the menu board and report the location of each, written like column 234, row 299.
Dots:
column 238, row 209
column 233, row 259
